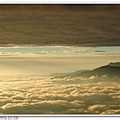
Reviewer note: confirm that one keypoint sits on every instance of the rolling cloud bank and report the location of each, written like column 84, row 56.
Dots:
column 35, row 94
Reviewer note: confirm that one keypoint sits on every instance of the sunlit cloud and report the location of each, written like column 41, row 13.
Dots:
column 37, row 94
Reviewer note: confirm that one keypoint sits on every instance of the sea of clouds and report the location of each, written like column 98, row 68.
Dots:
column 35, row 94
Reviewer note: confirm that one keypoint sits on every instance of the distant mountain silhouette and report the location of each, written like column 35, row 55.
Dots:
column 62, row 75
column 117, row 64
column 110, row 70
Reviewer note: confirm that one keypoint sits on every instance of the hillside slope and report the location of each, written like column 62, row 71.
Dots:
column 108, row 70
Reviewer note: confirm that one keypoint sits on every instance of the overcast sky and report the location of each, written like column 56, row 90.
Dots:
column 78, row 25
column 72, row 36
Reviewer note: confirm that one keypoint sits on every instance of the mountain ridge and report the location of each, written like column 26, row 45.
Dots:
column 110, row 70
column 114, row 64
column 62, row 75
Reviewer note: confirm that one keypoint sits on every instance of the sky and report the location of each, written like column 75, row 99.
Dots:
column 60, row 51
column 58, row 38
column 59, row 25
column 50, row 59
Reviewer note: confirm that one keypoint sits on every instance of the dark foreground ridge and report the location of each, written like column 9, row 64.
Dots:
column 110, row 70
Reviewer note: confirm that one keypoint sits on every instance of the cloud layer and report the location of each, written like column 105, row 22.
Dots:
column 34, row 94
column 91, row 25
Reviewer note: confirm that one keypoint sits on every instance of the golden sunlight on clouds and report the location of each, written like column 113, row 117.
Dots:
column 29, row 82
column 41, row 95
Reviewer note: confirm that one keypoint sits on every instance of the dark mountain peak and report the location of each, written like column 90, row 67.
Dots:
column 110, row 70
column 117, row 64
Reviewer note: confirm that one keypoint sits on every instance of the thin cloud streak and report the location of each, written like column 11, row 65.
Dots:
column 59, row 51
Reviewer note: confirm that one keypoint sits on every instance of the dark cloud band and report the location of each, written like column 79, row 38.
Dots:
column 75, row 25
